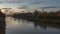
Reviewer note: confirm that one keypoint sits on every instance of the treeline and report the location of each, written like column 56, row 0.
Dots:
column 38, row 14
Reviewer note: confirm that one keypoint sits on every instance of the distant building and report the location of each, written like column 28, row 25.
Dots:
column 35, row 13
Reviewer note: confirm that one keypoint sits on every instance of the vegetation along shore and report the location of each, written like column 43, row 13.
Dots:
column 51, row 17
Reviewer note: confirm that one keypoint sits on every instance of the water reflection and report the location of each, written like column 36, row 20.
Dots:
column 46, row 25
column 21, row 26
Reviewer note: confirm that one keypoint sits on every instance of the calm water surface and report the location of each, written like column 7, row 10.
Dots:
column 21, row 26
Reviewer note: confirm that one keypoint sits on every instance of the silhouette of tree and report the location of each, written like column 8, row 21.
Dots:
column 2, row 23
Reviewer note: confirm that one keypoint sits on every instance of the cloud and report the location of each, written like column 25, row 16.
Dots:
column 22, row 7
column 50, row 7
column 1, row 2
column 38, row 2
column 15, row 1
column 11, row 1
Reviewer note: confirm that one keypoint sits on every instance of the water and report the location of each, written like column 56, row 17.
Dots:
column 21, row 26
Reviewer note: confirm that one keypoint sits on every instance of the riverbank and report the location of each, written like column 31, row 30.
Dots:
column 40, row 20
column 50, row 21
column 51, row 18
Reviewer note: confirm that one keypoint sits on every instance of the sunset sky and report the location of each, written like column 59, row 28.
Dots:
column 32, row 4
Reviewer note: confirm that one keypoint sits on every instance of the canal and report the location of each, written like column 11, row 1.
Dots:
column 21, row 26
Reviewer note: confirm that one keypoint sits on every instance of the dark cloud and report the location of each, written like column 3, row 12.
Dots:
column 38, row 2
column 15, row 1
column 1, row 2
column 22, row 7
column 50, row 7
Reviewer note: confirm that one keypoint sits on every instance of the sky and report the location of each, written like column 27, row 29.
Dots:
column 31, row 4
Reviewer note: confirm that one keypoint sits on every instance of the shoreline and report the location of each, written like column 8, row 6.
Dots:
column 49, row 21
column 51, row 18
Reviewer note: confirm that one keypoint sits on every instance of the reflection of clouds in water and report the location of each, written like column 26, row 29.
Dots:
column 27, row 27
column 11, row 20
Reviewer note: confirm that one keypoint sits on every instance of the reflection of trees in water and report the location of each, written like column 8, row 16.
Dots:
column 40, row 24
column 45, row 25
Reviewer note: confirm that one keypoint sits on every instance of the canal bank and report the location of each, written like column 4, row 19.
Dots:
column 44, row 17
column 41, row 20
